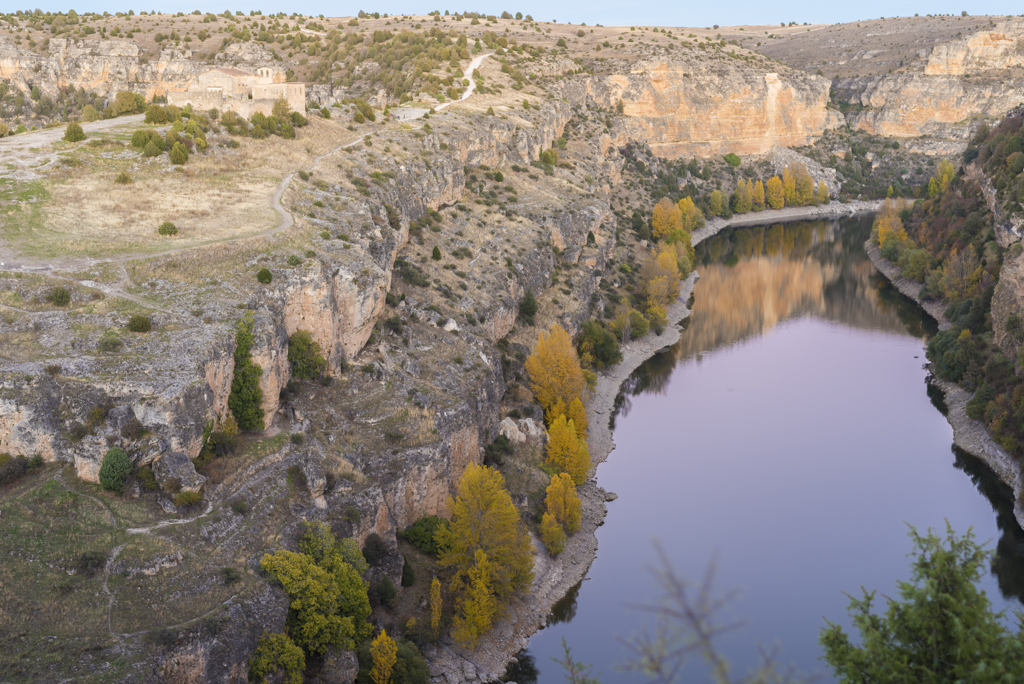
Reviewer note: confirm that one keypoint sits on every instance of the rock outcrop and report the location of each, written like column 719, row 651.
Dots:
column 106, row 66
column 700, row 108
column 962, row 81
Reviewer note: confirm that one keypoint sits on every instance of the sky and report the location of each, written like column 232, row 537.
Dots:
column 605, row 12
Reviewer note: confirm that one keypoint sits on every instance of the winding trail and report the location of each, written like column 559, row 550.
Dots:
column 468, row 75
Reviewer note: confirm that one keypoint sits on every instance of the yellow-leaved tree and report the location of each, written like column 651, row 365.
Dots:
column 554, row 368
column 744, row 197
column 578, row 415
column 479, row 606
column 659, row 278
column 774, row 194
column 484, row 519
column 567, row 453
column 385, row 654
column 822, row 196
column 552, row 534
column 435, row 607
column 716, row 205
column 944, row 175
column 693, row 217
column 888, row 228
column 757, row 197
column 789, row 187
column 803, row 186
column 563, row 502
column 666, row 218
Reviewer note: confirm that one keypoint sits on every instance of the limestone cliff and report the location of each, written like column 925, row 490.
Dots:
column 962, row 81
column 110, row 65
column 700, row 108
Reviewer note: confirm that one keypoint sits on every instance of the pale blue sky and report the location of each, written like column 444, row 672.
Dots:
column 606, row 12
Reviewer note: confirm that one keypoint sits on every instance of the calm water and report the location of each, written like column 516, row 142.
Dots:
column 790, row 438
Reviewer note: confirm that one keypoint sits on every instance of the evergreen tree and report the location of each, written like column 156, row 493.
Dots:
column 246, row 397
column 943, row 629
column 74, row 132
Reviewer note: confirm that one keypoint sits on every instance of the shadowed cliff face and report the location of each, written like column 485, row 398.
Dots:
column 683, row 108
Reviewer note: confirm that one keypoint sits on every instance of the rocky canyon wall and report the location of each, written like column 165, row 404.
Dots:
column 980, row 76
column 683, row 108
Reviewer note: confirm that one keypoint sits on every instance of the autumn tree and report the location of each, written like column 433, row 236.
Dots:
column 552, row 534
column 659, row 278
column 887, row 230
column 774, row 193
column 666, row 218
column 435, row 607
column 944, row 174
column 385, row 653
column 715, row 203
column 788, row 187
column 276, row 652
column 554, row 368
column 757, row 197
column 563, row 502
column 567, row 453
column 484, row 519
column 578, row 415
column 822, row 196
column 692, row 216
column 479, row 605
column 962, row 274
column 742, row 200
column 803, row 186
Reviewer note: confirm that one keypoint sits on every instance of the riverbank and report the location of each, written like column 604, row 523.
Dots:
column 770, row 216
column 968, row 434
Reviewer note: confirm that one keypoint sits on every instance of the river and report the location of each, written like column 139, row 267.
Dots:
column 788, row 438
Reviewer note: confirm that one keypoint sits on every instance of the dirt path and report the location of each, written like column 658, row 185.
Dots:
column 468, row 75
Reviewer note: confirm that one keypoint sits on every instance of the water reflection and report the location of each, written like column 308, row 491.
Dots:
column 752, row 279
column 1008, row 562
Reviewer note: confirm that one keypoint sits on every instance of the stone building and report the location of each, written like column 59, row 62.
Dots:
column 242, row 92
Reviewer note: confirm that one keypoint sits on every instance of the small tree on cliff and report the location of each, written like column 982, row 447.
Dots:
column 246, row 397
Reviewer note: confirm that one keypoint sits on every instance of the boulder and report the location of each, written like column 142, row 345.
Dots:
column 175, row 465
column 509, row 428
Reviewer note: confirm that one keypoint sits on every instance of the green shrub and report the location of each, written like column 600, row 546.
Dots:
column 422, row 534
column 528, row 308
column 89, row 562
column 294, row 260
column 139, row 324
column 123, row 178
column 298, row 120
column 408, row 575
column 109, row 342
column 151, row 150
column 115, row 470
column 732, row 159
column 436, row 254
column 598, row 346
column 89, row 113
column 386, row 592
column 146, row 478
column 496, row 451
column 264, row 276
column 240, row 507
column 167, row 228
column 74, row 132
column 59, row 296
column 187, row 499
column 155, row 114
column 303, row 175
column 13, row 468
column 230, row 576
column 141, row 138
column 374, row 549
column 246, row 397
column 179, row 154
column 304, row 354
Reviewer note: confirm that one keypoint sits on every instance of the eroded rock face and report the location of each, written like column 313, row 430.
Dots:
column 999, row 48
column 963, row 80
column 686, row 109
column 109, row 66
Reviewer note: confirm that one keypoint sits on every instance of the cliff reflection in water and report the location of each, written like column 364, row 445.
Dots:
column 752, row 279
